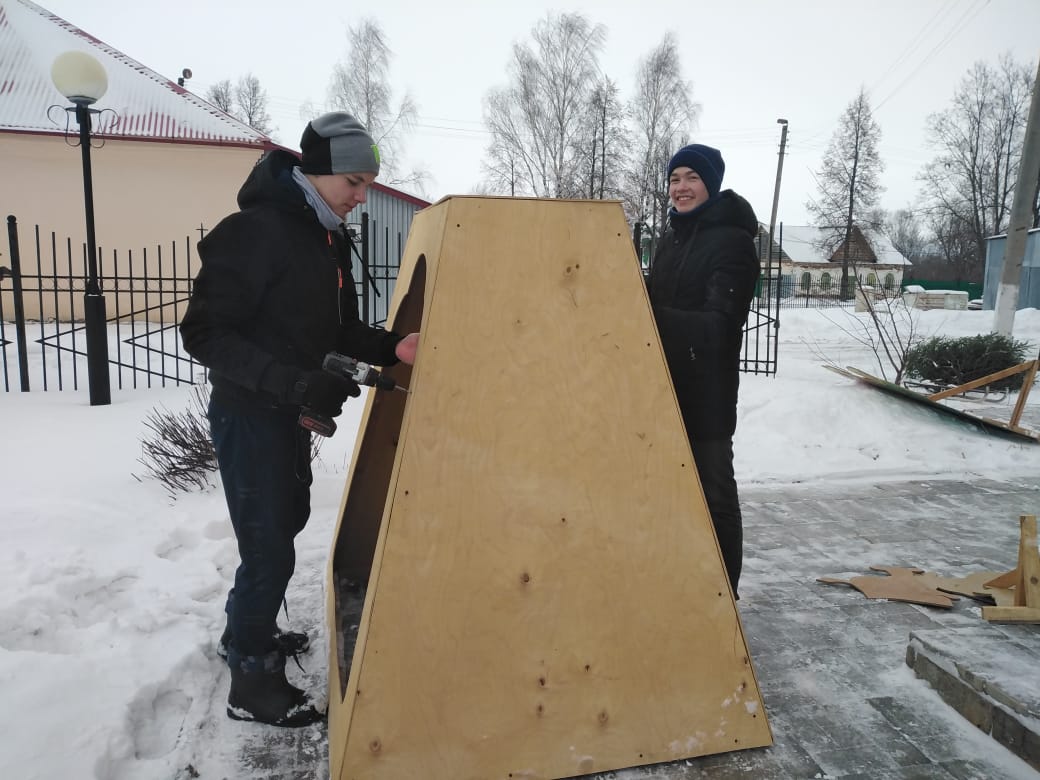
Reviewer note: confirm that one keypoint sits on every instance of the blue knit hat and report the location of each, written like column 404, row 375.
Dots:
column 705, row 160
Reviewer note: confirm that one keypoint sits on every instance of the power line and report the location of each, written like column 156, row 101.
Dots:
column 958, row 26
column 944, row 10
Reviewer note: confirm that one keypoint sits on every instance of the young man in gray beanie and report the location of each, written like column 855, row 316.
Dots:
column 701, row 284
column 274, row 295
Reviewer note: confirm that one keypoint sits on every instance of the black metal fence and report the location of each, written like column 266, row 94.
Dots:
column 41, row 309
column 41, row 300
column 822, row 294
column 760, row 347
column 43, row 338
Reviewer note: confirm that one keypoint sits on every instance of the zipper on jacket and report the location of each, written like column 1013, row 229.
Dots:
column 339, row 277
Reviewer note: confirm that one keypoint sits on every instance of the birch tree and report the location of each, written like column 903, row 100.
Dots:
column 539, row 120
column 604, row 145
column 663, row 115
column 360, row 84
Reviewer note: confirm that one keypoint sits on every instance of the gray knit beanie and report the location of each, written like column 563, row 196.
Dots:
column 337, row 143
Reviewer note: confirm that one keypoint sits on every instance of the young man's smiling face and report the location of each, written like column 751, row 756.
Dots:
column 686, row 190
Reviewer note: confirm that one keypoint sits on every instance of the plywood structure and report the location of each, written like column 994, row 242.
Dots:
column 545, row 597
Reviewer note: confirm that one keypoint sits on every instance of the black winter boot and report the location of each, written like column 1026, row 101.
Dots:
column 290, row 643
column 260, row 692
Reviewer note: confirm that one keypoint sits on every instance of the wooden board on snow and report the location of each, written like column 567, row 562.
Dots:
column 981, row 423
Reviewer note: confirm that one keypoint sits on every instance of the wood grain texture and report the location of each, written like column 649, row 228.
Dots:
column 546, row 598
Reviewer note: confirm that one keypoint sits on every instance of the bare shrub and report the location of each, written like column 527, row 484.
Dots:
column 179, row 452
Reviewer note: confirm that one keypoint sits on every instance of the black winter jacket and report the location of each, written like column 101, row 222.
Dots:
column 275, row 294
column 701, row 284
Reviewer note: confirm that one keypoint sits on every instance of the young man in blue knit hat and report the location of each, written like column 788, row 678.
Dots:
column 701, row 284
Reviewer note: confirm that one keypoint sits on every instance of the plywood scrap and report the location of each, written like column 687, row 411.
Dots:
column 977, row 586
column 1023, row 579
column 901, row 584
column 918, row 586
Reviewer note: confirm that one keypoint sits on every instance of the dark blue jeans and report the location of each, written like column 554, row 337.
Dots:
column 264, row 460
column 714, row 459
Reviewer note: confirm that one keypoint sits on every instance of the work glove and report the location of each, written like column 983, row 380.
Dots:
column 324, row 392
column 319, row 390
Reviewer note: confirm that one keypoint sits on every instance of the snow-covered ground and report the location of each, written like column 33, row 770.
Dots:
column 112, row 592
column 809, row 424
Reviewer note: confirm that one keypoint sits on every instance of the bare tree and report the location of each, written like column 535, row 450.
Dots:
column 222, row 96
column 246, row 102
column 939, row 247
column 969, row 186
column 251, row 100
column 361, row 85
column 849, row 180
column 904, row 229
column 884, row 319
column 663, row 114
column 956, row 246
column 890, row 328
column 501, row 169
column 539, row 120
column 602, row 149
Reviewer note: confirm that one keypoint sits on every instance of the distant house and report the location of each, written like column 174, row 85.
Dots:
column 167, row 165
column 806, row 261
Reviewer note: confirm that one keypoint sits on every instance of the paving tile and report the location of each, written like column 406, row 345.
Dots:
column 831, row 664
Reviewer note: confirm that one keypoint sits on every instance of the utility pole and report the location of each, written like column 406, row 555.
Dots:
column 1021, row 217
column 776, row 189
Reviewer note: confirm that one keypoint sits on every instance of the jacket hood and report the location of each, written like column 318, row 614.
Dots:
column 271, row 182
column 726, row 208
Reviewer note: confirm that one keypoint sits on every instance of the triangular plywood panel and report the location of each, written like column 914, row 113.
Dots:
column 546, row 597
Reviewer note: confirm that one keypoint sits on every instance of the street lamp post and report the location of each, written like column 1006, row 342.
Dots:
column 82, row 79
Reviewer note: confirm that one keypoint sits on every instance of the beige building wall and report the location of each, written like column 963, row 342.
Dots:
column 147, row 194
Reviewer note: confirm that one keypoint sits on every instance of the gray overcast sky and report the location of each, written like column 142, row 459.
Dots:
column 750, row 62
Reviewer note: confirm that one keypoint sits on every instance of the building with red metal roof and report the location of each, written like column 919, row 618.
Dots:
column 166, row 164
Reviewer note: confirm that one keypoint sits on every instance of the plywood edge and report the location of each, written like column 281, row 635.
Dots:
column 335, row 682
column 1011, row 614
column 464, row 196
column 423, row 248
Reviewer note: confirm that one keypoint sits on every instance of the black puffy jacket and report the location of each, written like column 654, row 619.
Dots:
column 701, row 285
column 274, row 293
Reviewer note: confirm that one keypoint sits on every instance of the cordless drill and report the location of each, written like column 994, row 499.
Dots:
column 349, row 368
